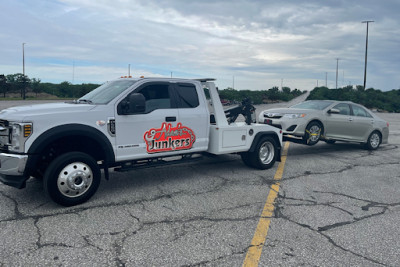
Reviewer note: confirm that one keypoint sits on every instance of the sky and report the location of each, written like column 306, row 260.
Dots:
column 244, row 44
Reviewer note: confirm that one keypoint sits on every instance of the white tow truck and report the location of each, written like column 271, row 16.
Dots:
column 125, row 124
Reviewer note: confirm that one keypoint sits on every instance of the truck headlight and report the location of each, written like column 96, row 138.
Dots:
column 18, row 134
column 294, row 115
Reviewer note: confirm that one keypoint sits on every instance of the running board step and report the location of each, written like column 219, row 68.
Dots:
column 157, row 162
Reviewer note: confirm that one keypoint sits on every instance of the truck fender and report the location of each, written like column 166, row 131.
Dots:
column 260, row 135
column 58, row 132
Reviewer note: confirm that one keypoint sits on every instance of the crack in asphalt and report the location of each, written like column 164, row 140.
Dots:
column 17, row 213
column 330, row 240
column 346, row 168
column 118, row 244
column 316, row 203
column 207, row 262
column 323, row 229
column 219, row 182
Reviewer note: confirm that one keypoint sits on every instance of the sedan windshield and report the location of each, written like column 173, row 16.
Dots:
column 106, row 92
column 318, row 105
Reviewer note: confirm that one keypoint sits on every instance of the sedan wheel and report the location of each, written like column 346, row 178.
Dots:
column 313, row 133
column 374, row 140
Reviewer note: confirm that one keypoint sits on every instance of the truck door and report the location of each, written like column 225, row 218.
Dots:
column 193, row 113
column 155, row 123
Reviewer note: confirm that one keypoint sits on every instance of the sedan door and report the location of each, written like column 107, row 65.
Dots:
column 363, row 124
column 338, row 126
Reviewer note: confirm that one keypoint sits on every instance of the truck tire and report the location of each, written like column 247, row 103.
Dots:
column 246, row 158
column 263, row 157
column 72, row 178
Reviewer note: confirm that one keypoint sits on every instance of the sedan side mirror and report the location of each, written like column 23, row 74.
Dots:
column 334, row 111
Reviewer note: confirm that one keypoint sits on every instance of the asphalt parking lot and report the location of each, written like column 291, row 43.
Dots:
column 337, row 205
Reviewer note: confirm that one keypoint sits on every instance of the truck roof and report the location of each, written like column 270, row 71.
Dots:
column 166, row 78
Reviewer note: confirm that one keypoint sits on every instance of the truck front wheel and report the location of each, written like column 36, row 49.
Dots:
column 263, row 156
column 72, row 178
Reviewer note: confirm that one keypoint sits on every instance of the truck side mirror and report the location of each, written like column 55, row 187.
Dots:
column 137, row 103
column 133, row 104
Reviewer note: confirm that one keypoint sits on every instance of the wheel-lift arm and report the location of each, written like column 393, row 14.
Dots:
column 245, row 108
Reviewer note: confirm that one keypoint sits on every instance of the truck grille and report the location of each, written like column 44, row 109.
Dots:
column 4, row 135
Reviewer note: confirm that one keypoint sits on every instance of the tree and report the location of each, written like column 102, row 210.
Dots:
column 4, row 86
column 286, row 90
column 65, row 89
column 23, row 82
column 18, row 83
column 35, row 86
column 360, row 88
column 273, row 93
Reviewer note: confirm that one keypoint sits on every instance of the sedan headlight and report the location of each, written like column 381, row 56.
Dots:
column 294, row 115
column 18, row 134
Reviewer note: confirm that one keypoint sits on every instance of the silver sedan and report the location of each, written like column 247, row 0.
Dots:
column 329, row 120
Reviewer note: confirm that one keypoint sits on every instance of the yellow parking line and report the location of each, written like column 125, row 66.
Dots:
column 254, row 253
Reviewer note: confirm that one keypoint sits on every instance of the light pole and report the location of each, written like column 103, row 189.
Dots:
column 23, row 59
column 326, row 79
column 23, row 71
column 337, row 67
column 366, row 53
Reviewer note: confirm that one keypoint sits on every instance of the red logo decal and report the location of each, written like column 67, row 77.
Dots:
column 168, row 138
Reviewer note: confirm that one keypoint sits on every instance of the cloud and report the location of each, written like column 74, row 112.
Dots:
column 257, row 42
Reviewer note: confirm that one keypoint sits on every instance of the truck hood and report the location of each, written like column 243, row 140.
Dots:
column 21, row 113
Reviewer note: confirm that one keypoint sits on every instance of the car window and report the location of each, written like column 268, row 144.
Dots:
column 187, row 95
column 360, row 112
column 344, row 109
column 313, row 104
column 107, row 92
column 156, row 96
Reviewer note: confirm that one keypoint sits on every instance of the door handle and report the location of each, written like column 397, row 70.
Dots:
column 169, row 119
column 350, row 119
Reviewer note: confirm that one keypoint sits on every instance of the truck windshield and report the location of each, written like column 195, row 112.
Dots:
column 106, row 92
column 313, row 104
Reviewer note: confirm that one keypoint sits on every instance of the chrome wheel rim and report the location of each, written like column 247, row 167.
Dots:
column 266, row 153
column 375, row 140
column 315, row 132
column 75, row 179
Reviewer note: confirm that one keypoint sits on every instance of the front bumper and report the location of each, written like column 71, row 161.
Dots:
column 288, row 126
column 12, row 167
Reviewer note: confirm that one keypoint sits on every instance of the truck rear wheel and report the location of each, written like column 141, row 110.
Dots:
column 246, row 158
column 263, row 156
column 72, row 178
